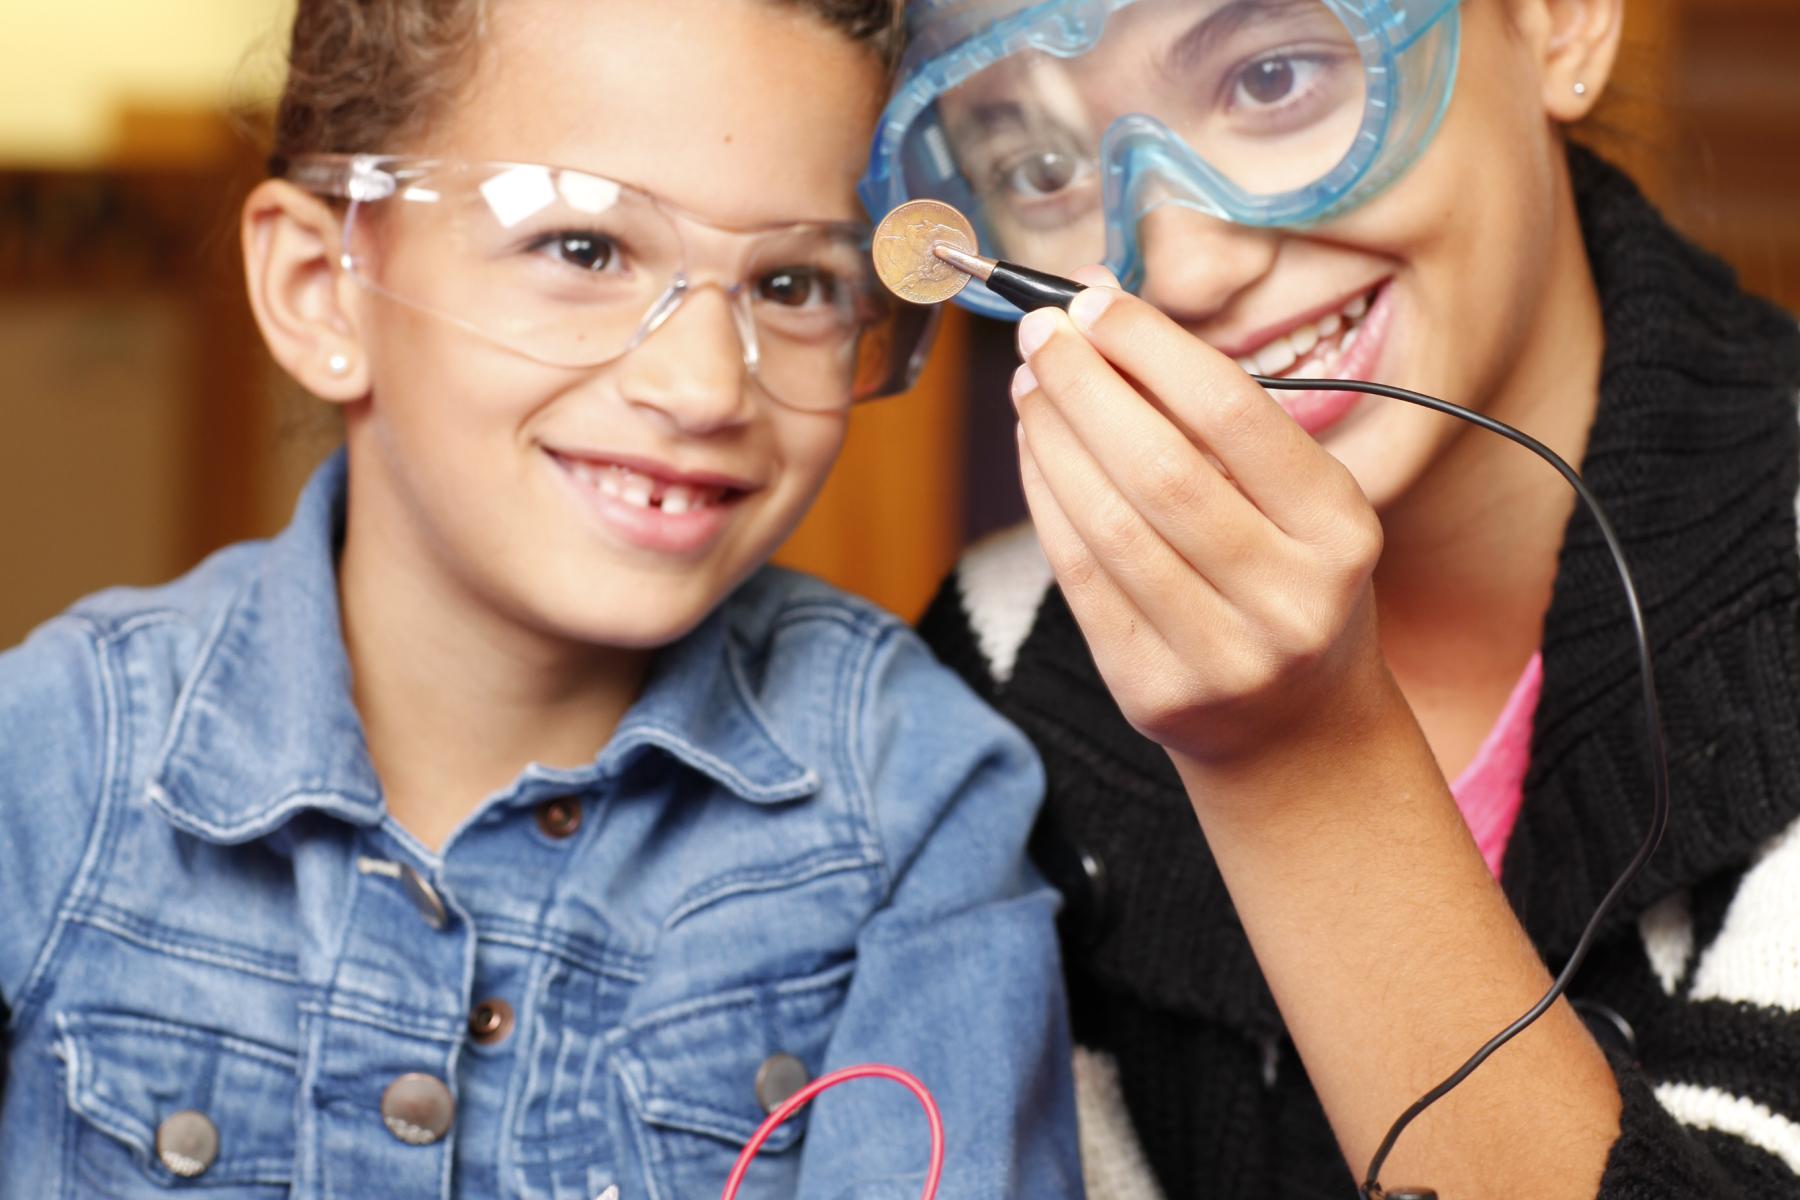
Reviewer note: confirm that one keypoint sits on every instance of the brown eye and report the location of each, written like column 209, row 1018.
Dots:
column 794, row 288
column 1043, row 174
column 1269, row 81
column 585, row 251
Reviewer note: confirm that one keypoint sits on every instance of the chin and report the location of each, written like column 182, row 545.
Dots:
column 1387, row 447
column 631, row 631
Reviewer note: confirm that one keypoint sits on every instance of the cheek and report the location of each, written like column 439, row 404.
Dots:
column 433, row 382
column 809, row 444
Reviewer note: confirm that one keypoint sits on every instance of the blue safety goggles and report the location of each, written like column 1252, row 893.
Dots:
column 1058, row 126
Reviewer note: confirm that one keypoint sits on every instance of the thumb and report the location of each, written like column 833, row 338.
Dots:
column 1094, row 275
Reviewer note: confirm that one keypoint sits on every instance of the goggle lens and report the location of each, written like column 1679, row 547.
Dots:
column 1265, row 95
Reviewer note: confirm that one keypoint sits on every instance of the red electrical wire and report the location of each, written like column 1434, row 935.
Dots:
column 801, row 1098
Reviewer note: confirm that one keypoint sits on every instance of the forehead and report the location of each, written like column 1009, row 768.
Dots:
column 745, row 112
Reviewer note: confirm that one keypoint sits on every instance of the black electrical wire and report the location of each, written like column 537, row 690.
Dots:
column 1659, row 758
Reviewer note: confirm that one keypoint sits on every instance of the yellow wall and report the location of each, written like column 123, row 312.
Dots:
column 67, row 67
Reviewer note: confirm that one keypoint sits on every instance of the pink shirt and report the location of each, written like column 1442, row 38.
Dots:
column 1492, row 787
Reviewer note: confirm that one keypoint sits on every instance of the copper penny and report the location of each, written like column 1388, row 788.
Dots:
column 902, row 251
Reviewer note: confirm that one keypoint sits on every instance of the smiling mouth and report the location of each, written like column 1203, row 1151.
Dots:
column 1313, row 349
column 642, row 489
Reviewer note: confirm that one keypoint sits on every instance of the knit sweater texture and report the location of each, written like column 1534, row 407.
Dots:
column 1694, row 986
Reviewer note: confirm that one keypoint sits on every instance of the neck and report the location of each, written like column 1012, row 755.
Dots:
column 1457, row 631
column 455, row 698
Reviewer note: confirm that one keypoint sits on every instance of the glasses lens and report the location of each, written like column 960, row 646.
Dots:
column 827, row 333
column 559, row 265
column 1267, row 94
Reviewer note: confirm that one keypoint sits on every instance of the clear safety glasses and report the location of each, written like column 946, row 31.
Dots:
column 574, row 270
column 1058, row 126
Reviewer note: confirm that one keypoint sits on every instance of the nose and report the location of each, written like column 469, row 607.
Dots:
column 689, row 372
column 1196, row 265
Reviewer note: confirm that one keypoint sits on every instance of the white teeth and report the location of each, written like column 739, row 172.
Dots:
column 644, row 491
column 1309, row 343
column 636, row 489
column 1276, row 357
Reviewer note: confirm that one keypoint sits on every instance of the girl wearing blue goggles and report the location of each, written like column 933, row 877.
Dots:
column 1059, row 125
column 1370, row 648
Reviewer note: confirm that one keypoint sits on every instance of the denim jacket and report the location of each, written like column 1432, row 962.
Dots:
column 228, row 971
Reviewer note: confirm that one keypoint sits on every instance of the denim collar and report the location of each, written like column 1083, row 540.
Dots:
column 266, row 728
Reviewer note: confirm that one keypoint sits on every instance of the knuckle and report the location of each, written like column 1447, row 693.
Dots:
column 1170, row 481
column 1307, row 628
column 1073, row 563
column 1360, row 538
column 1233, row 409
column 1234, row 547
column 1166, row 702
column 1080, row 387
column 1117, row 529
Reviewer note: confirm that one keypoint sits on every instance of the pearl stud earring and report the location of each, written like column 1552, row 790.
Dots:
column 1580, row 88
column 338, row 364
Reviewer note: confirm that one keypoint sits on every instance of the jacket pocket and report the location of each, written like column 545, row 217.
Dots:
column 689, row 1074
column 128, row 1076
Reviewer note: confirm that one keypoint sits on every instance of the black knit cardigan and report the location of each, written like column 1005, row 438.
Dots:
column 1695, row 984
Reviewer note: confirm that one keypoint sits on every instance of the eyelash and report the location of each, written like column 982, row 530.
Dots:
column 1309, row 69
column 550, row 244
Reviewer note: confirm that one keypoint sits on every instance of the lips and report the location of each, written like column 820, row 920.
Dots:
column 650, row 505
column 1343, row 343
column 1313, row 346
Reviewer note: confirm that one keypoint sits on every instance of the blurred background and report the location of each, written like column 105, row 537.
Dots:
column 142, row 425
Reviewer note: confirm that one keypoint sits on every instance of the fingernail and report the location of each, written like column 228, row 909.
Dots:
column 1023, row 383
column 1035, row 330
column 1087, row 306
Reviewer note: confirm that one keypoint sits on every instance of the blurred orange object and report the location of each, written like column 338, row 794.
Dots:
column 889, row 523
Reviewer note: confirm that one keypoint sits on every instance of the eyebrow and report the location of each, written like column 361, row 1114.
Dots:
column 988, row 116
column 1221, row 23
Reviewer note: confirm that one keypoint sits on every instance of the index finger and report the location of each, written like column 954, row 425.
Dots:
column 1276, row 463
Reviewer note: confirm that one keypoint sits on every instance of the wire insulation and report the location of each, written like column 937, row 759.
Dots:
column 800, row 1099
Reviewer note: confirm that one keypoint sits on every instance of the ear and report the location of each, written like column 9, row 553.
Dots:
column 300, row 293
column 1580, row 46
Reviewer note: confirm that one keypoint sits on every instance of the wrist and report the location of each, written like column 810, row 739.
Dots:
column 1360, row 745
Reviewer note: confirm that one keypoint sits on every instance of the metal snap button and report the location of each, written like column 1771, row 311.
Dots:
column 418, row 1109
column 559, row 818
column 1081, row 878
column 187, row 1143
column 780, row 1076
column 424, row 897
column 491, row 1022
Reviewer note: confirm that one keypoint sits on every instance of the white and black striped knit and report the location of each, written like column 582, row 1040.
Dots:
column 1695, row 455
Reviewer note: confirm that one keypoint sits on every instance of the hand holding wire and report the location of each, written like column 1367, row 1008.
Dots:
column 1218, row 559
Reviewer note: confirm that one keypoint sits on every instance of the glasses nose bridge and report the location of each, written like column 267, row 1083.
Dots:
column 677, row 293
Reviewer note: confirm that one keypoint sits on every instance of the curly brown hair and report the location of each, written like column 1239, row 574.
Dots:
column 363, row 75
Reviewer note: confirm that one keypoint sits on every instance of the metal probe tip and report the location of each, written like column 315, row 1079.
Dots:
column 969, row 264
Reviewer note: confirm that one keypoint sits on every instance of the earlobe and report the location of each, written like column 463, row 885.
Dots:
column 291, row 246
column 1579, row 56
